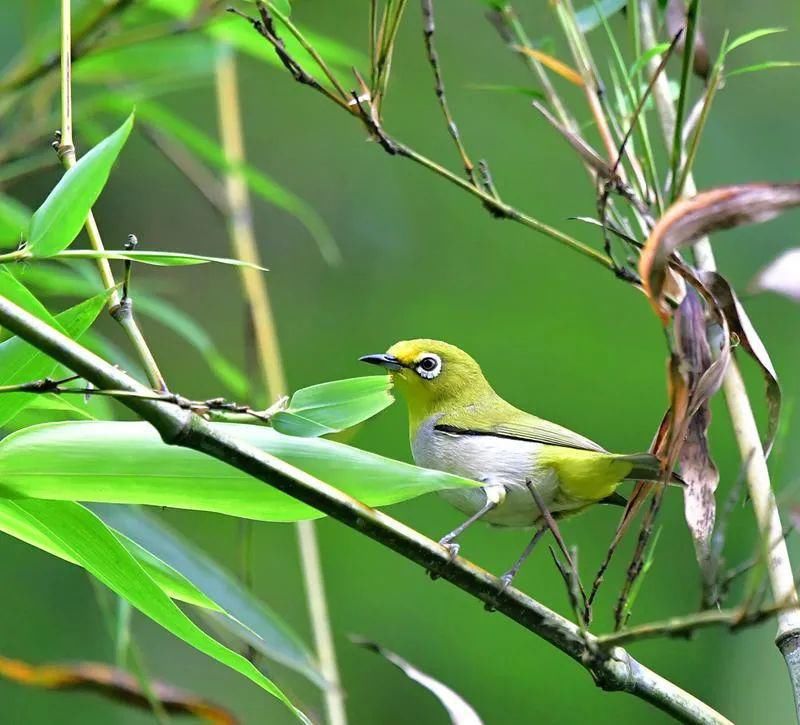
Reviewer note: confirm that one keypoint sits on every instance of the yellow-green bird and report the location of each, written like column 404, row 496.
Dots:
column 459, row 424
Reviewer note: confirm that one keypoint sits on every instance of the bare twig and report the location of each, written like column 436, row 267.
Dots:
column 429, row 28
column 363, row 108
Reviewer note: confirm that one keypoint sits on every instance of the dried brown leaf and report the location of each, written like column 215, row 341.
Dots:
column 741, row 326
column 676, row 20
column 697, row 469
column 554, row 64
column 689, row 219
column 114, row 683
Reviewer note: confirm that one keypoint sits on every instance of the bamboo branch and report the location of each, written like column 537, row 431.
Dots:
column 120, row 307
column 614, row 670
column 744, row 424
column 270, row 364
column 393, row 147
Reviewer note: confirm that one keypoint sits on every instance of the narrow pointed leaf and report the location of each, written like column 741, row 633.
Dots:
column 22, row 363
column 334, row 406
column 751, row 36
column 56, row 223
column 17, row 522
column 115, row 462
column 459, row 710
column 158, row 259
column 267, row 632
column 12, row 289
column 87, row 540
column 592, row 16
column 768, row 65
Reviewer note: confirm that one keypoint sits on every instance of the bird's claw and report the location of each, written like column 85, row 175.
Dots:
column 505, row 583
column 452, row 553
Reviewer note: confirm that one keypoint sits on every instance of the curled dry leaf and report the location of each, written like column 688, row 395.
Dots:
column 782, row 275
column 676, row 20
column 748, row 337
column 689, row 219
column 694, row 359
column 116, row 684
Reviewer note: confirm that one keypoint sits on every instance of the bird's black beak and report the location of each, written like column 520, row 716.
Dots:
column 387, row 361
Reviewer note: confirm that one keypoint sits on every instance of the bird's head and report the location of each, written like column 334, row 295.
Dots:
column 434, row 376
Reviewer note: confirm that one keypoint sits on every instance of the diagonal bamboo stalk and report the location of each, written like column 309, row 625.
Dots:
column 613, row 669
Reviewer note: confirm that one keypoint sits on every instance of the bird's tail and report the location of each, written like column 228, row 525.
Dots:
column 646, row 467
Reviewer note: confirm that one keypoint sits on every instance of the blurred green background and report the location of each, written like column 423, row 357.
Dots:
column 554, row 333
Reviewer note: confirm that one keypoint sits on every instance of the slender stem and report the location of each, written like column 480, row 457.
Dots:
column 744, row 424
column 120, row 309
column 615, row 670
column 393, row 147
column 274, row 378
column 428, row 30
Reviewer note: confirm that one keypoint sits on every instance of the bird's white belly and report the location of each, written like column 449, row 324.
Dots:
column 494, row 461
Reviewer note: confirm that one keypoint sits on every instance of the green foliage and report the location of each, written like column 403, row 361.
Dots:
column 56, row 223
column 104, row 461
column 333, row 407
column 14, row 220
column 20, row 362
column 252, row 622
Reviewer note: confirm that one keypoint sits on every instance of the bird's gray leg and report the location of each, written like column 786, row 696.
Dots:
column 508, row 577
column 495, row 495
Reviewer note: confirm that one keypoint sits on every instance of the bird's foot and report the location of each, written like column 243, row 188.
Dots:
column 505, row 583
column 452, row 552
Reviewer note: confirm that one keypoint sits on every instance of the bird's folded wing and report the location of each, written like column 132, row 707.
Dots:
column 526, row 428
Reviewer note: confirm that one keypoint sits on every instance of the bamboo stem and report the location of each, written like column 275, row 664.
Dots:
column 270, row 363
column 121, row 309
column 744, row 424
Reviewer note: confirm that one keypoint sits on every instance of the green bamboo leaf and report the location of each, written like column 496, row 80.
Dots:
column 264, row 630
column 56, row 223
column 646, row 57
column 751, row 36
column 91, row 544
column 591, row 17
column 769, row 65
column 158, row 259
column 17, row 522
column 175, row 57
column 48, row 409
column 115, row 462
column 22, row 363
column 526, row 91
column 207, row 148
column 334, row 406
column 14, row 220
column 12, row 289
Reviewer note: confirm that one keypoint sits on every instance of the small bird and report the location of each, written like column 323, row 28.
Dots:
column 459, row 424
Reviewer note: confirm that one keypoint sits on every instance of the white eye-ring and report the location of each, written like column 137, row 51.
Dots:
column 429, row 366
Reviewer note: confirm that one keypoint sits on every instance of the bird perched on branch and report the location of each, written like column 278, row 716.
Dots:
column 460, row 425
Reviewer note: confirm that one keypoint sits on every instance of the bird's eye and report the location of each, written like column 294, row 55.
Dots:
column 429, row 366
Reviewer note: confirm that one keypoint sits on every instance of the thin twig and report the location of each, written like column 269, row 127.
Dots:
column 428, row 30
column 394, row 147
